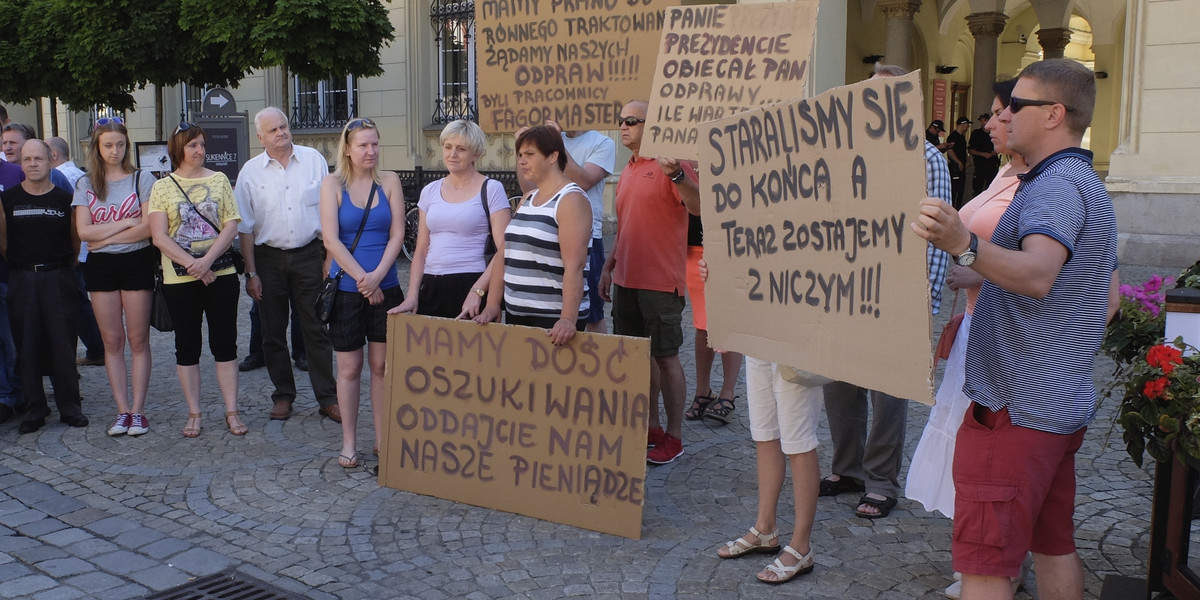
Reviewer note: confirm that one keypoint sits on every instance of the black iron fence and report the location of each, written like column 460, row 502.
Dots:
column 415, row 180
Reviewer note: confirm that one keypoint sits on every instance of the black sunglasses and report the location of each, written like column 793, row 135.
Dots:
column 629, row 121
column 102, row 121
column 1016, row 104
column 183, row 126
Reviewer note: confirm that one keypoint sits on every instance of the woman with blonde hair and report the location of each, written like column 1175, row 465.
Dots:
column 458, row 213
column 111, row 215
column 193, row 219
column 362, row 215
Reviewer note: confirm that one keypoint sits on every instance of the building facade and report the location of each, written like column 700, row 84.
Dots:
column 1145, row 53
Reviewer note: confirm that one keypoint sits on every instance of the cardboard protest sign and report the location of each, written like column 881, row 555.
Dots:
column 806, row 208
column 574, row 61
column 717, row 60
column 497, row 416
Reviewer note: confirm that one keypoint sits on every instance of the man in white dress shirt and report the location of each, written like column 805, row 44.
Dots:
column 277, row 194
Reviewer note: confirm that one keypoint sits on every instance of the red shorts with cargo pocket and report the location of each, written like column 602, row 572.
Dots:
column 1014, row 492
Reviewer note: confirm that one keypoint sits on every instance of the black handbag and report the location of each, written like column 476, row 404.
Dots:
column 227, row 259
column 160, row 315
column 329, row 289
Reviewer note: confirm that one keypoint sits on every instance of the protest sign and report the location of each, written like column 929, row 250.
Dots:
column 806, row 208
column 497, row 416
column 574, row 61
column 717, row 60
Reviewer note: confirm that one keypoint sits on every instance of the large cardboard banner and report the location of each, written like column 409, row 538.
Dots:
column 719, row 60
column 575, row 61
column 806, row 209
column 497, row 416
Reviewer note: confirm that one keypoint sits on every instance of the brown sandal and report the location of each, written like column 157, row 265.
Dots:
column 234, row 421
column 190, row 430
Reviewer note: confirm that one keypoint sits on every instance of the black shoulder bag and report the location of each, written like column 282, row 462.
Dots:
column 329, row 290
column 489, row 247
column 160, row 313
column 227, row 259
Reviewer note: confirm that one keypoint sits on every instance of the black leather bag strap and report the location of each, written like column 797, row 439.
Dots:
column 363, row 224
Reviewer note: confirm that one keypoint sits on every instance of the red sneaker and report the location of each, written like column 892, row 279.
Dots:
column 655, row 437
column 666, row 451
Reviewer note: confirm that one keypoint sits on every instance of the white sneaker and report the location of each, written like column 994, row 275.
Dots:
column 121, row 425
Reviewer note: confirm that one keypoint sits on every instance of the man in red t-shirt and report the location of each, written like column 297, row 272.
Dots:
column 649, row 266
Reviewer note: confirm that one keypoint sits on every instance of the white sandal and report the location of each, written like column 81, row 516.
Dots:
column 741, row 547
column 784, row 573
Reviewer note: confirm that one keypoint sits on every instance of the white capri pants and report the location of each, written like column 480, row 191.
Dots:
column 783, row 410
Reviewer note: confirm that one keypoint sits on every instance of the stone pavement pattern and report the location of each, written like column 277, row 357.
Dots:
column 83, row 515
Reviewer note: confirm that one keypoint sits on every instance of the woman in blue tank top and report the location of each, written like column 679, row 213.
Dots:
column 358, row 196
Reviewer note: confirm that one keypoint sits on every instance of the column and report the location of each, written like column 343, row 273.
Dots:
column 899, row 14
column 1053, row 41
column 986, row 27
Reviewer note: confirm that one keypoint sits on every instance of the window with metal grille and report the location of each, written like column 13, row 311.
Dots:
column 454, row 38
column 100, row 111
column 190, row 97
column 325, row 104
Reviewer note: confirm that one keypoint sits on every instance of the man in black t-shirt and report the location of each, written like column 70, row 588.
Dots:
column 956, row 159
column 37, row 236
column 983, row 151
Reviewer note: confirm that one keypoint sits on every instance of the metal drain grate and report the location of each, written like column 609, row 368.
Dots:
column 227, row 585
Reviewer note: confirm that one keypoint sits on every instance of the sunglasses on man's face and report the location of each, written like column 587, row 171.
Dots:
column 1016, row 104
column 102, row 121
column 629, row 121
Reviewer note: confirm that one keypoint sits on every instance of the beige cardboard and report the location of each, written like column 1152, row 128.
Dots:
column 850, row 301
column 468, row 420
column 574, row 61
column 718, row 60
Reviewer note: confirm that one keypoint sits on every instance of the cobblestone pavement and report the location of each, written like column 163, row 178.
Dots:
column 86, row 515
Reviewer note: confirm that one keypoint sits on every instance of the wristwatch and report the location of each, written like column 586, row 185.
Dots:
column 480, row 291
column 250, row 275
column 678, row 176
column 967, row 258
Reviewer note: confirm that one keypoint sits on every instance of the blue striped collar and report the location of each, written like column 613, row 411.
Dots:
column 1085, row 155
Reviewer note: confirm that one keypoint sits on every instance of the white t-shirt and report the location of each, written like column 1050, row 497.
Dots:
column 458, row 230
column 598, row 149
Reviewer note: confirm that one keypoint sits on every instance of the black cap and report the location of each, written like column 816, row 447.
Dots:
column 938, row 125
column 962, row 120
column 985, row 117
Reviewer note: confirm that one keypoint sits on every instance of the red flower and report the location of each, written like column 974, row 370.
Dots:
column 1154, row 388
column 1164, row 357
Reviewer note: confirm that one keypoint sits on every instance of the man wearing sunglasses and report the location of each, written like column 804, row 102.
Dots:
column 278, row 193
column 1050, row 288
column 648, row 266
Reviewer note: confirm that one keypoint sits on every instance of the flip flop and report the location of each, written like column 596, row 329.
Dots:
column 348, row 462
column 844, row 485
column 884, row 506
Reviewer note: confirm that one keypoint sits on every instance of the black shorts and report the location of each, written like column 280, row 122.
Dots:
column 128, row 271
column 443, row 295
column 354, row 319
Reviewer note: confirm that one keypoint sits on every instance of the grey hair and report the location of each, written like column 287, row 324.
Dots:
column 468, row 131
column 266, row 111
column 60, row 146
column 882, row 70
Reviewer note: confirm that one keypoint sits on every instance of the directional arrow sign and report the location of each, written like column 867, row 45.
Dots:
column 218, row 101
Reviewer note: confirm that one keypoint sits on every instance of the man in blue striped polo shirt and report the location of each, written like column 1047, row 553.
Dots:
column 1050, row 288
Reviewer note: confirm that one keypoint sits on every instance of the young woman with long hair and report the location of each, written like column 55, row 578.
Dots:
column 359, row 197
column 111, row 216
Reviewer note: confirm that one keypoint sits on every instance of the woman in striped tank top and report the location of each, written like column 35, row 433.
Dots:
column 546, row 244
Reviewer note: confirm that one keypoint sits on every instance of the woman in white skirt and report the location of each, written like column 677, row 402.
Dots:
column 930, row 474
